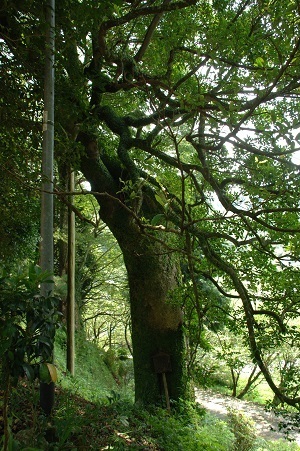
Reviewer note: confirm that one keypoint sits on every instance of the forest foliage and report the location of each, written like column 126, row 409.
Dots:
column 181, row 121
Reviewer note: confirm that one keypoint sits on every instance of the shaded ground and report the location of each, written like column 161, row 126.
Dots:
column 266, row 423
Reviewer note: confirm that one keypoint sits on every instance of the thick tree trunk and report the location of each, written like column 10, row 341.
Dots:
column 156, row 323
column 153, row 273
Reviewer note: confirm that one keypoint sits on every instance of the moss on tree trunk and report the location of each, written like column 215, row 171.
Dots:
column 153, row 274
column 156, row 327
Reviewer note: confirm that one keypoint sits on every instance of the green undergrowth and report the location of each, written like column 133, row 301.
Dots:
column 78, row 424
column 115, row 424
column 92, row 379
column 93, row 411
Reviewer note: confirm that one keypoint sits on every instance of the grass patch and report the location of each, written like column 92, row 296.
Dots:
column 93, row 380
column 79, row 424
column 260, row 394
column 93, row 411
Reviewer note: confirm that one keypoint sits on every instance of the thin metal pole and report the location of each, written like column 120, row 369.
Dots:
column 71, row 281
column 46, row 247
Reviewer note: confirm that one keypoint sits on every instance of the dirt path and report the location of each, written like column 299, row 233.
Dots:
column 217, row 404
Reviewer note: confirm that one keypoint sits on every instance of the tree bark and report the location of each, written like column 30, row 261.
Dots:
column 156, row 321
column 153, row 272
column 156, row 318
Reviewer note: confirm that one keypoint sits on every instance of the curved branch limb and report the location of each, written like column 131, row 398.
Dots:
column 149, row 33
column 188, row 75
column 269, row 92
column 240, row 144
column 224, row 200
column 217, row 261
column 218, row 286
column 273, row 315
column 146, row 11
column 78, row 212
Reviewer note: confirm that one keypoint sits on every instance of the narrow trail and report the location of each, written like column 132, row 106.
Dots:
column 266, row 423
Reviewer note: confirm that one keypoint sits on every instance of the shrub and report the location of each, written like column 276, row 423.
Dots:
column 187, row 429
column 243, row 430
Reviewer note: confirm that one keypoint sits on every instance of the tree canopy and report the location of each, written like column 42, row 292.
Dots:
column 183, row 117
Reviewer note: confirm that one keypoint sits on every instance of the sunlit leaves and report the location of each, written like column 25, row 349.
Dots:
column 28, row 323
column 203, row 133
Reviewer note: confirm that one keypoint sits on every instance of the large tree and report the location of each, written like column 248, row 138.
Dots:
column 183, row 116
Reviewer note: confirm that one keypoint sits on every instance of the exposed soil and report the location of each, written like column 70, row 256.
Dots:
column 266, row 423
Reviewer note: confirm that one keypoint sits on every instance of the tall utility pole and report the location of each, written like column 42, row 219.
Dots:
column 71, row 280
column 46, row 248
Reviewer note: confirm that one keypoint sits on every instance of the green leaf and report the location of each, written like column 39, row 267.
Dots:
column 29, row 372
column 161, row 199
column 259, row 62
column 158, row 219
column 44, row 373
column 46, row 341
column 48, row 373
column 52, row 371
